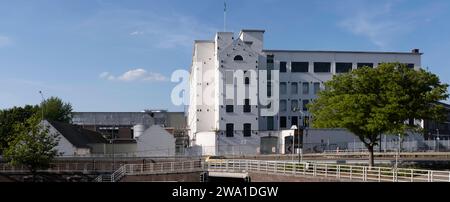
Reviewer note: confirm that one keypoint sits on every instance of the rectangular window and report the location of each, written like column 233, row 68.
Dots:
column 410, row 65
column 229, row 108
column 306, row 121
column 305, row 102
column 230, row 130
column 343, row 67
column 294, row 105
column 294, row 121
column 283, row 106
column 282, row 66
column 316, row 88
column 247, row 129
column 283, row 88
column 269, row 89
column 269, row 66
column 322, row 67
column 305, row 88
column 283, row 123
column 359, row 65
column 270, row 123
column 294, row 88
column 299, row 66
column 247, row 107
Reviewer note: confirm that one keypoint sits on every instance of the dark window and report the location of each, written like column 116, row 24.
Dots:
column 270, row 123
column 305, row 88
column 282, row 66
column 230, row 130
column 299, row 66
column 270, row 59
column 294, row 121
column 229, row 108
column 283, row 123
column 343, row 67
column 306, row 121
column 359, row 65
column 246, row 81
column 247, row 107
column 410, row 66
column 269, row 89
column 305, row 102
column 322, row 67
column 247, row 129
column 238, row 58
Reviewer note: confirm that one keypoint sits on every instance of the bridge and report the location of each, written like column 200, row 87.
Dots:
column 264, row 170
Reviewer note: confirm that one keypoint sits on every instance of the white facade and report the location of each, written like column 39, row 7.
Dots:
column 302, row 73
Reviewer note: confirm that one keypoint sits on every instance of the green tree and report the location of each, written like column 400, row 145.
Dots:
column 372, row 101
column 56, row 110
column 33, row 146
column 9, row 117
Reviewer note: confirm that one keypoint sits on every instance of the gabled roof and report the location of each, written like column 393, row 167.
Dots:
column 78, row 137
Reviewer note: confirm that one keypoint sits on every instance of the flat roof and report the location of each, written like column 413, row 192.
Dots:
column 203, row 41
column 328, row 51
column 253, row 30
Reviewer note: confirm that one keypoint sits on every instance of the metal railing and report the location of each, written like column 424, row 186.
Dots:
column 152, row 168
column 60, row 167
column 334, row 171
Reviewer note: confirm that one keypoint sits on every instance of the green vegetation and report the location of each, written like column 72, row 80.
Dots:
column 53, row 108
column 32, row 146
column 372, row 101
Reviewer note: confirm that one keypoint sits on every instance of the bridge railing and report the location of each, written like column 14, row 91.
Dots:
column 337, row 171
column 152, row 168
column 59, row 167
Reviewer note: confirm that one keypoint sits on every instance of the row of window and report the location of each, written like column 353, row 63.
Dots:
column 283, row 106
column 246, row 109
column 294, row 88
column 294, row 121
column 320, row 67
column 283, row 121
column 247, row 132
column 294, row 105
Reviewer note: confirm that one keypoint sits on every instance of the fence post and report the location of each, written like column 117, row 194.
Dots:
column 338, row 171
column 412, row 175
column 431, row 173
column 351, row 172
column 379, row 174
column 428, row 176
column 314, row 170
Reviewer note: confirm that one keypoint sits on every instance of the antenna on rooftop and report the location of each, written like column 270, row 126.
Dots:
column 224, row 15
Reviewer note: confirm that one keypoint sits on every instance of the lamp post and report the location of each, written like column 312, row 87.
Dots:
column 42, row 104
column 293, row 127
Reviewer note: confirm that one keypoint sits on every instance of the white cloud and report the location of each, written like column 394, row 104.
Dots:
column 5, row 41
column 135, row 33
column 134, row 75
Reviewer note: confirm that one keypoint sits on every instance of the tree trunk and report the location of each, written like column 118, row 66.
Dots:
column 371, row 159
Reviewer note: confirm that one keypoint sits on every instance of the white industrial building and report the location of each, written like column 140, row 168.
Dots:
column 223, row 121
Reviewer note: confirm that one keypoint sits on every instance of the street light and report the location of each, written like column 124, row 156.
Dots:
column 42, row 104
column 293, row 127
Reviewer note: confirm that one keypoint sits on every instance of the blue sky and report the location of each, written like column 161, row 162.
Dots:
column 82, row 50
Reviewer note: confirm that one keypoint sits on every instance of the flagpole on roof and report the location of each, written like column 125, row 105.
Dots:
column 224, row 15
